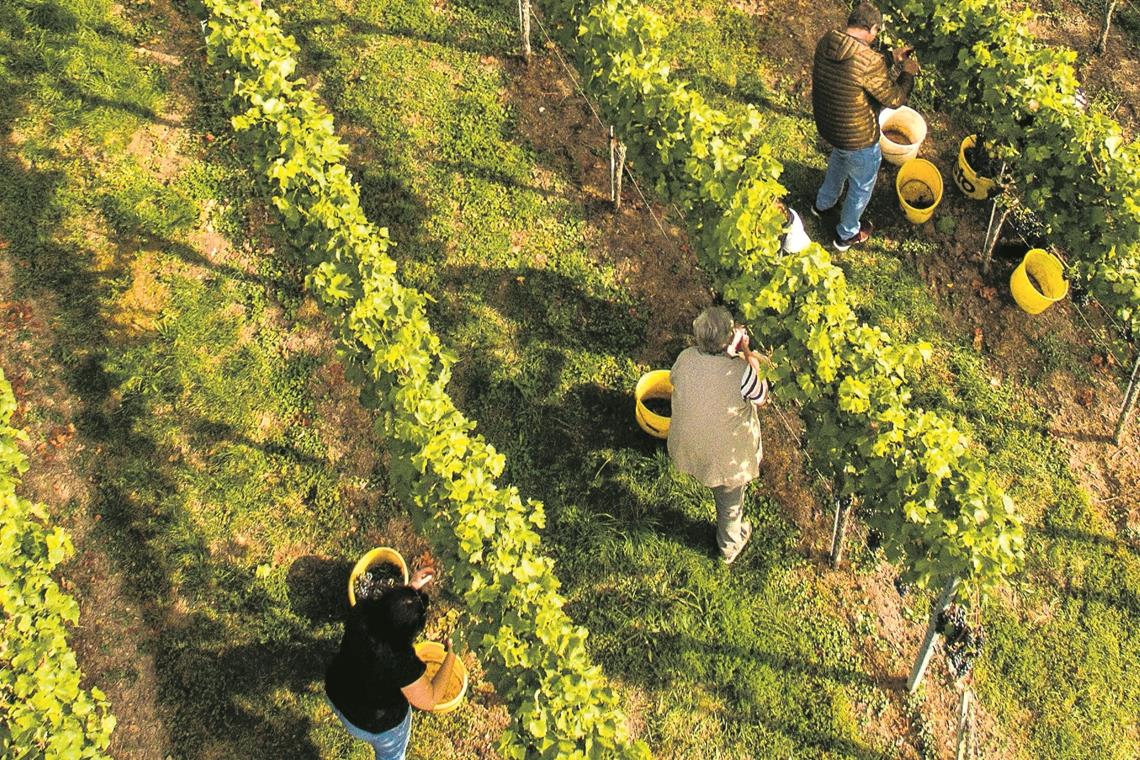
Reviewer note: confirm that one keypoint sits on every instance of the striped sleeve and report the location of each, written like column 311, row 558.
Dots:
column 752, row 388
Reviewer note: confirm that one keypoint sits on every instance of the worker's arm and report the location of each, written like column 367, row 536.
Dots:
column 426, row 693
column 877, row 82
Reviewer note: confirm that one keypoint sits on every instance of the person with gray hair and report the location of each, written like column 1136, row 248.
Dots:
column 714, row 433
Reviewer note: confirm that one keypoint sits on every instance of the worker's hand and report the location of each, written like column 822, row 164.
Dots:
column 910, row 65
column 422, row 577
column 900, row 54
column 447, row 644
column 739, row 344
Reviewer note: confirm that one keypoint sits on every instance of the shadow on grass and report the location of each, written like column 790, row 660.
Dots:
column 142, row 528
column 555, row 307
column 395, row 22
column 311, row 581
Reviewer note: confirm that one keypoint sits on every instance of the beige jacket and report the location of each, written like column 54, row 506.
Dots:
column 714, row 433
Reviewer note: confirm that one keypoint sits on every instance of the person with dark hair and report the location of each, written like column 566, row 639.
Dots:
column 376, row 676
column 714, row 431
column 849, row 84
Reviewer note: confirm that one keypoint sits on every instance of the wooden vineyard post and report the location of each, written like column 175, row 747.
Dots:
column 965, row 739
column 617, row 168
column 839, row 529
column 619, row 173
column 1130, row 396
column 993, row 232
column 927, row 649
column 1102, row 41
column 524, row 27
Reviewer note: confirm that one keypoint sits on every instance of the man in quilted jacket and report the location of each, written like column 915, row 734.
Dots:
column 850, row 83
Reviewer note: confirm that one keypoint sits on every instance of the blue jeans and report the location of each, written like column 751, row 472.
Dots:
column 859, row 169
column 390, row 745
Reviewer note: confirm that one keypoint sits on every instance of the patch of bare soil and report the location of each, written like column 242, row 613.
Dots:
column 1113, row 75
column 651, row 254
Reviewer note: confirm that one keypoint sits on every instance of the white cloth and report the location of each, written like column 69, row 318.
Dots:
column 795, row 237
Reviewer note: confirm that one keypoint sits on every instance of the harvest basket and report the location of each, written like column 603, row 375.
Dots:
column 1049, row 274
column 905, row 121
column 653, row 384
column 972, row 184
column 433, row 653
column 377, row 556
column 919, row 186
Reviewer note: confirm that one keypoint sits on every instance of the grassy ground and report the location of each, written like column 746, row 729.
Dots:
column 1056, row 664
column 189, row 422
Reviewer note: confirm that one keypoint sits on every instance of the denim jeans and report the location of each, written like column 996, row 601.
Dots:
column 859, row 169
column 729, row 516
column 390, row 745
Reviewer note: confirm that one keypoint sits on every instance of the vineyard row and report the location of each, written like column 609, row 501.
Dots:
column 1069, row 165
column 44, row 711
column 533, row 653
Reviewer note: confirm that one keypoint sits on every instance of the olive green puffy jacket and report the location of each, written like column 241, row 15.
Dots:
column 849, row 83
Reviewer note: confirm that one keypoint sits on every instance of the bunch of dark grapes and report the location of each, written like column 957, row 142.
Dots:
column 378, row 580
column 874, row 539
column 963, row 642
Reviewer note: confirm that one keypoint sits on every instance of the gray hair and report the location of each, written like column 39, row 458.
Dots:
column 713, row 329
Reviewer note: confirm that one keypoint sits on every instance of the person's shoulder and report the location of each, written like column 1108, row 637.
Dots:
column 869, row 58
column 687, row 356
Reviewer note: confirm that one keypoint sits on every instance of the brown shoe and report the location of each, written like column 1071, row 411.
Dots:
column 859, row 238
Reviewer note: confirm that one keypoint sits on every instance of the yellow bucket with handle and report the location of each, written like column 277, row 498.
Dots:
column 652, row 385
column 1038, row 282
column 378, row 556
column 433, row 653
column 919, row 186
column 972, row 184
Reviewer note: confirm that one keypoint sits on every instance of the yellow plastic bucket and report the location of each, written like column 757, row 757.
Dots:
column 432, row 653
column 969, row 181
column 919, row 186
column 1051, row 285
column 907, row 122
column 653, row 384
column 374, row 557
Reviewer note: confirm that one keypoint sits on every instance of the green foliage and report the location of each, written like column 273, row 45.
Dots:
column 44, row 712
column 534, row 654
column 922, row 485
column 1072, row 168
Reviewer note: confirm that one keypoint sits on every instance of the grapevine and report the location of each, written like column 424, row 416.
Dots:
column 962, row 641
column 533, row 653
column 44, row 711
column 1074, row 170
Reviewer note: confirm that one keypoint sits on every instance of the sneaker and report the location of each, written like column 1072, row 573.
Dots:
column 859, row 238
column 745, row 534
column 818, row 212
